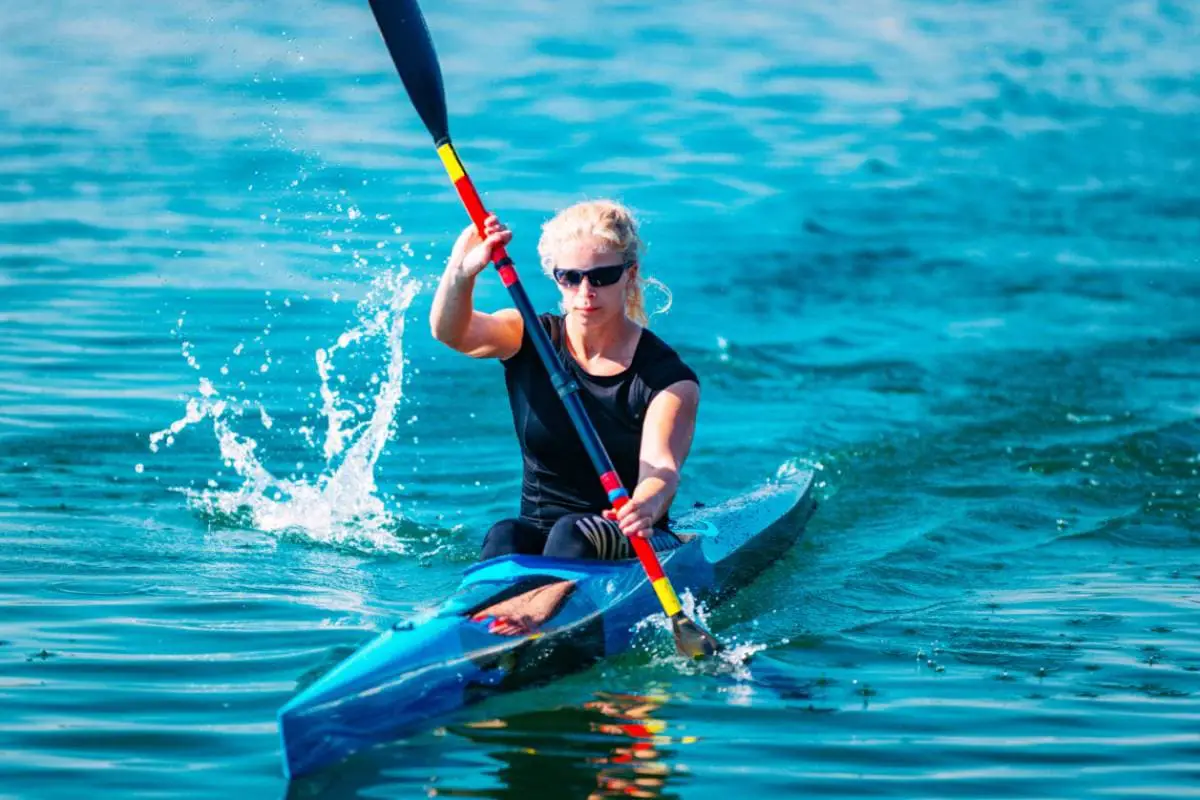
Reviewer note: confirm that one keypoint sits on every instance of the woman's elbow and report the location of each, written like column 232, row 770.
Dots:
column 437, row 330
column 444, row 332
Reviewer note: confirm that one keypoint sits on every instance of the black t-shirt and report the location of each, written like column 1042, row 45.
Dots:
column 558, row 477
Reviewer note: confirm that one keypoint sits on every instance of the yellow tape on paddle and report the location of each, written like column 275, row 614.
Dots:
column 666, row 595
column 450, row 160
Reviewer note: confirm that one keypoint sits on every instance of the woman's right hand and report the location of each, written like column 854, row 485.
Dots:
column 471, row 255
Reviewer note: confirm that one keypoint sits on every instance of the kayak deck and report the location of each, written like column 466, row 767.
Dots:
column 415, row 673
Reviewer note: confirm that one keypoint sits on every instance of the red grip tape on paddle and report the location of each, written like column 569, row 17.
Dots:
column 470, row 199
column 508, row 273
column 610, row 481
column 646, row 555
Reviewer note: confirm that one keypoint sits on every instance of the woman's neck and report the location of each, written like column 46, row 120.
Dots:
column 607, row 342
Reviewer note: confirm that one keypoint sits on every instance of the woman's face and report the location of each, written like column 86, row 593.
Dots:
column 581, row 296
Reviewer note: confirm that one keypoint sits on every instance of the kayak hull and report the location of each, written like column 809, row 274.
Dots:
column 416, row 673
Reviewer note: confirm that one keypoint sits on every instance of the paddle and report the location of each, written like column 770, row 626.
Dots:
column 407, row 38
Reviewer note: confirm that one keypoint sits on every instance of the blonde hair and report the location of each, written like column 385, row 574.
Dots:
column 612, row 224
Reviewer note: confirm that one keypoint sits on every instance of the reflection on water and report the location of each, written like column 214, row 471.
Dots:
column 612, row 746
column 640, row 768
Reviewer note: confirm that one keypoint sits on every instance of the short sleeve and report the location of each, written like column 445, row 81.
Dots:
column 666, row 371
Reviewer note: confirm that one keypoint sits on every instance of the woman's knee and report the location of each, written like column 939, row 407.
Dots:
column 593, row 536
column 577, row 536
column 511, row 537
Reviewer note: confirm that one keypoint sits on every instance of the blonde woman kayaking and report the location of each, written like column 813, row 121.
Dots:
column 639, row 394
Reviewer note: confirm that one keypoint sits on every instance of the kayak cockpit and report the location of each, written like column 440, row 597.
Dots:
column 475, row 597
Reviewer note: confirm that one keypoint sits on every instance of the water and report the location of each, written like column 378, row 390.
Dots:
column 946, row 252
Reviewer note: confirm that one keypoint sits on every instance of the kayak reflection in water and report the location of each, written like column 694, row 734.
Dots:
column 640, row 396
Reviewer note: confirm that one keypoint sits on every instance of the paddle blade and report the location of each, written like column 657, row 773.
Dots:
column 407, row 38
column 692, row 640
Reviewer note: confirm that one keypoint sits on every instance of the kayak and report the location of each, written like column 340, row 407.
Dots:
column 417, row 673
column 420, row 672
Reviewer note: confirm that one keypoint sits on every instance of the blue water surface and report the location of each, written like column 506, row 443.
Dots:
column 945, row 254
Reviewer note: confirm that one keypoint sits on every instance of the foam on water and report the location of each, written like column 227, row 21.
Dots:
column 732, row 660
column 341, row 504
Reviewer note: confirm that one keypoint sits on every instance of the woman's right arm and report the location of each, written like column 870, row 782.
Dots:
column 454, row 320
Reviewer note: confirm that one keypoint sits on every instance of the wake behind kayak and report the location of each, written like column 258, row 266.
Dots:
column 414, row 675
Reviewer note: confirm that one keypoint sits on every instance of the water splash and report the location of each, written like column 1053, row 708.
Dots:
column 341, row 505
column 731, row 661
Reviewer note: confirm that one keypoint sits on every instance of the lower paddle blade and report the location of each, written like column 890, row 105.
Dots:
column 692, row 640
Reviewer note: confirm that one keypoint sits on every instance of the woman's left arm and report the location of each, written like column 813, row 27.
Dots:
column 666, row 439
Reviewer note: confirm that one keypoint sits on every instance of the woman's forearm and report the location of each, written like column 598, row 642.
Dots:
column 453, row 306
column 656, row 491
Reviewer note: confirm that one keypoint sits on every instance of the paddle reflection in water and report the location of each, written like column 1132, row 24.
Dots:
column 640, row 769
column 612, row 746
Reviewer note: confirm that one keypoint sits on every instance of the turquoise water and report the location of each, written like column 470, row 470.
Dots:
column 944, row 254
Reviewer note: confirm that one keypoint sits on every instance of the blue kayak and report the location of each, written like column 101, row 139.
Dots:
column 416, row 674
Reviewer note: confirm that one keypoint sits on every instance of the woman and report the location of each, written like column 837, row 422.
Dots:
column 638, row 393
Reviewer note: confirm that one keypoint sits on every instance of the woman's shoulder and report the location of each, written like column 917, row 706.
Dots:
column 653, row 347
column 660, row 364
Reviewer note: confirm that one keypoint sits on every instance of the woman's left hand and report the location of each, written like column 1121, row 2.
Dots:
column 634, row 519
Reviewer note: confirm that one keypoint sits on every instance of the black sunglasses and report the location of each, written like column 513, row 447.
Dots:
column 596, row 276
